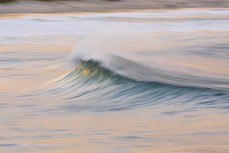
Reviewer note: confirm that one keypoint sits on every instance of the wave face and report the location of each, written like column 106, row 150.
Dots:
column 92, row 87
column 135, row 69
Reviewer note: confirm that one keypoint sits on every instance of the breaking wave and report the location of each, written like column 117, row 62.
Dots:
column 107, row 76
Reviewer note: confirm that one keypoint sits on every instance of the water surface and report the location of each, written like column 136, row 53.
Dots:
column 152, row 82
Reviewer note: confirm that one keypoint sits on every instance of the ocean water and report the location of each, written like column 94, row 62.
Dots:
column 129, row 82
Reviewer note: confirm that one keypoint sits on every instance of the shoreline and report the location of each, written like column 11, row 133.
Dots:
column 102, row 6
column 16, row 15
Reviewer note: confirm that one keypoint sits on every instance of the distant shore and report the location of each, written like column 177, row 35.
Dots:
column 61, row 6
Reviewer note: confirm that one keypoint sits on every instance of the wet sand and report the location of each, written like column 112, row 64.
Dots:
column 32, row 6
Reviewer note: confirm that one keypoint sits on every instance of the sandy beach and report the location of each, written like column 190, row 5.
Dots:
column 35, row 6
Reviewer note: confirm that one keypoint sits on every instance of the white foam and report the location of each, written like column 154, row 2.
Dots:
column 84, row 24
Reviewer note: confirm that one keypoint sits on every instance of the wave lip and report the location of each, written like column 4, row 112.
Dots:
column 130, row 70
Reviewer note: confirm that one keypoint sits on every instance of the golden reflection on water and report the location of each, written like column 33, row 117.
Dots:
column 137, row 131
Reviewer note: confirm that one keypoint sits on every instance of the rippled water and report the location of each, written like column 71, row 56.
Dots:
column 152, row 82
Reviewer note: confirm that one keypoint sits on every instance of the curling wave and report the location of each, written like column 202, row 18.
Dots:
column 91, row 87
column 136, row 72
column 127, row 74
